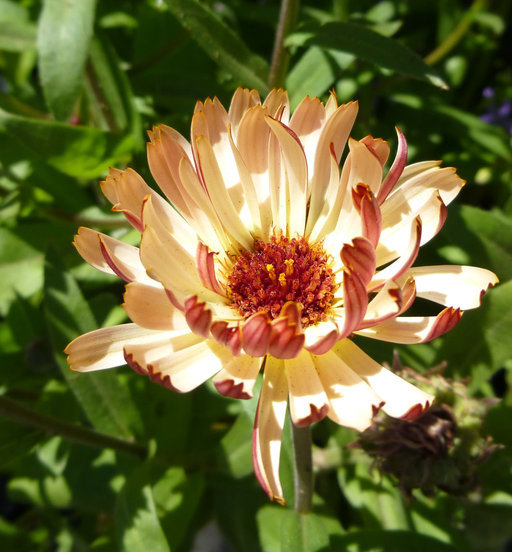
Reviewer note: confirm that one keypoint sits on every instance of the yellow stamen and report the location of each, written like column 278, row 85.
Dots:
column 282, row 279
column 289, row 267
column 271, row 271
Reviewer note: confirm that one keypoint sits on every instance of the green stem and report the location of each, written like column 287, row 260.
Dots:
column 456, row 35
column 302, row 468
column 83, row 435
column 280, row 55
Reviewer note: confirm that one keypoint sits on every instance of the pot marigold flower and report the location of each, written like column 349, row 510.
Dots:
column 271, row 258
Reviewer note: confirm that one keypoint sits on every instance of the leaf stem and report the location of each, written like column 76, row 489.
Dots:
column 457, row 34
column 82, row 435
column 302, row 468
column 280, row 55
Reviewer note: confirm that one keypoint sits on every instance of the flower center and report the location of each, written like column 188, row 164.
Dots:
column 282, row 270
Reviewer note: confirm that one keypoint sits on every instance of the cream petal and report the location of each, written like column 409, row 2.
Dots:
column 242, row 100
column 331, row 142
column 413, row 193
column 294, row 192
column 307, row 398
column 182, row 364
column 352, row 403
column 111, row 256
column 238, row 376
column 401, row 399
column 398, row 267
column 414, row 329
column 386, row 304
column 222, row 202
column 277, row 105
column 378, row 147
column 307, row 122
column 320, row 337
column 395, row 240
column 149, row 307
column 103, row 348
column 454, row 286
column 268, row 427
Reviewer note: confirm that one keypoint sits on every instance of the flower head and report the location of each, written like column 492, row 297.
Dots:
column 271, row 258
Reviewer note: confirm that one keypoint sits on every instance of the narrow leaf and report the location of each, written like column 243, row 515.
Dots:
column 64, row 33
column 369, row 45
column 221, row 43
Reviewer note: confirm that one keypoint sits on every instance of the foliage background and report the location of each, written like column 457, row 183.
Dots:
column 110, row 461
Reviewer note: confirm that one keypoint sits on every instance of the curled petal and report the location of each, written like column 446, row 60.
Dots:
column 455, row 286
column 103, row 348
column 321, row 337
column 414, row 329
column 378, row 147
column 368, row 207
column 256, row 333
column 398, row 267
column 386, row 304
column 205, row 263
column 238, row 376
column 268, row 427
column 401, row 399
column 360, row 258
column 355, row 300
column 198, row 317
column 228, row 336
column 396, row 168
column 111, row 256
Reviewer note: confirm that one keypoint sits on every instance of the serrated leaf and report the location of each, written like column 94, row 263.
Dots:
column 138, row 526
column 78, row 151
column 105, row 401
column 221, row 43
column 368, row 45
column 64, row 32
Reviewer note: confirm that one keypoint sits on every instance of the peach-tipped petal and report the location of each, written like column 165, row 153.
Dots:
column 256, row 333
column 396, row 169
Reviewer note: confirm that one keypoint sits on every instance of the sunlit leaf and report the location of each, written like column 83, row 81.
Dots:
column 138, row 527
column 303, row 533
column 64, row 32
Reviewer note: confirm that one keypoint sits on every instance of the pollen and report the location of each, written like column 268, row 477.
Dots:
column 281, row 270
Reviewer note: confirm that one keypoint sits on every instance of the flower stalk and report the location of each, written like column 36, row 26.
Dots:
column 302, row 468
column 280, row 55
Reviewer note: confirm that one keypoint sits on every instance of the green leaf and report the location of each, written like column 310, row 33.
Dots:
column 77, row 151
column 221, row 43
column 107, row 404
column 177, row 497
column 303, row 533
column 21, row 269
column 64, row 32
column 111, row 90
column 391, row 541
column 17, row 37
column 15, row 441
column 138, row 527
column 312, row 74
column 368, row 45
